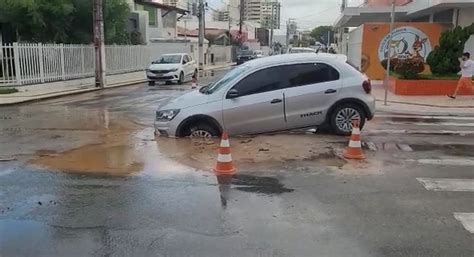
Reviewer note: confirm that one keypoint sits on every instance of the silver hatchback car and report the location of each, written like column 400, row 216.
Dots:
column 271, row 94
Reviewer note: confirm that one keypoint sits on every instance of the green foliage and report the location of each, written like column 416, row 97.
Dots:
column 321, row 32
column 409, row 68
column 64, row 21
column 444, row 58
column 8, row 90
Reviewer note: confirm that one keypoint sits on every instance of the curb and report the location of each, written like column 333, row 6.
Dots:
column 429, row 105
column 58, row 94
column 47, row 96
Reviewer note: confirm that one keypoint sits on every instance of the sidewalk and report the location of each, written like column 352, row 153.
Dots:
column 70, row 87
column 423, row 105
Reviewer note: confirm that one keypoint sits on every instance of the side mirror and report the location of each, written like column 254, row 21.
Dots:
column 233, row 93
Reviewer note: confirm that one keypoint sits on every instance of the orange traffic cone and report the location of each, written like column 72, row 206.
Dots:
column 354, row 150
column 194, row 83
column 224, row 159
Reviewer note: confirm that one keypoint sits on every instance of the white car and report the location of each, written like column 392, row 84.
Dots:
column 172, row 68
column 299, row 50
column 258, row 53
column 275, row 93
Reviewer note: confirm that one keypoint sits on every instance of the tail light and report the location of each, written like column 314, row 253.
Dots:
column 367, row 86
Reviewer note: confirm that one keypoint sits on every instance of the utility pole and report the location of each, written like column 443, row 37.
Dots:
column 387, row 79
column 271, row 25
column 99, row 46
column 241, row 22
column 201, row 34
column 230, row 24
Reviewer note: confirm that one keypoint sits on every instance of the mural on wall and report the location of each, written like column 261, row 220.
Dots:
column 411, row 42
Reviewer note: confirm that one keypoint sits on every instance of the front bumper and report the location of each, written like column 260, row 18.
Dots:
column 165, row 129
column 170, row 76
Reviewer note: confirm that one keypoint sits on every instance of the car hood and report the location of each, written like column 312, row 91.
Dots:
column 164, row 66
column 187, row 100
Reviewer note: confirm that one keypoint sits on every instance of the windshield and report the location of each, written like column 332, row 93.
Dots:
column 169, row 59
column 216, row 85
column 246, row 52
column 296, row 51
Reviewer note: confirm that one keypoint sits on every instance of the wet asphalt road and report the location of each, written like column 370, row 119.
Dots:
column 169, row 208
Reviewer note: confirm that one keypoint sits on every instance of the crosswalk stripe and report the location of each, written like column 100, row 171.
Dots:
column 447, row 184
column 430, row 124
column 466, row 219
column 447, row 162
column 430, row 132
column 468, row 118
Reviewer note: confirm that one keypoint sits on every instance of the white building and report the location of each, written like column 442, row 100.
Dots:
column 455, row 12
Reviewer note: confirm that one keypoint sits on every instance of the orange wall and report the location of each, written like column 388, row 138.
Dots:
column 374, row 34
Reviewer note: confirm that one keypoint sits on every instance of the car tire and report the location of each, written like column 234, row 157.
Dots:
column 151, row 83
column 181, row 78
column 202, row 130
column 341, row 116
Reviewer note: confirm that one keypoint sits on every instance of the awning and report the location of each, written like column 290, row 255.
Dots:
column 162, row 6
column 356, row 16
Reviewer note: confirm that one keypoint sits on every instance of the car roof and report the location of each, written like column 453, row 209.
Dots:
column 292, row 58
column 303, row 48
column 175, row 54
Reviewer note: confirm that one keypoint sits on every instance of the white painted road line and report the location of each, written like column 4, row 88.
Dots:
column 454, row 124
column 447, row 184
column 447, row 162
column 466, row 219
column 468, row 118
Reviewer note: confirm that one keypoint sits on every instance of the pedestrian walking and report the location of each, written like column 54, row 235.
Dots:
column 467, row 69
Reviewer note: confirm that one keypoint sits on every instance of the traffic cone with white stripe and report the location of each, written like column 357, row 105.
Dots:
column 354, row 150
column 224, row 159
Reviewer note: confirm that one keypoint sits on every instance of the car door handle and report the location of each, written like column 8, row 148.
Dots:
column 330, row 91
column 276, row 100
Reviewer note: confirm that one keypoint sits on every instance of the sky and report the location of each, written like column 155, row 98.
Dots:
column 308, row 13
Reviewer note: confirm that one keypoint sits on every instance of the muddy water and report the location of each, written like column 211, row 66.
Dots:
column 129, row 149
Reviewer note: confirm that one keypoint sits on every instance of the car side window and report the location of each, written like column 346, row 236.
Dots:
column 190, row 59
column 185, row 59
column 308, row 74
column 259, row 82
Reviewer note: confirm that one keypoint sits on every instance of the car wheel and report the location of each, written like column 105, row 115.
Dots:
column 181, row 78
column 202, row 130
column 342, row 117
column 151, row 83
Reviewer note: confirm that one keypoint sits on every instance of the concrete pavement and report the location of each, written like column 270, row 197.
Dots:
column 71, row 87
column 86, row 177
column 428, row 105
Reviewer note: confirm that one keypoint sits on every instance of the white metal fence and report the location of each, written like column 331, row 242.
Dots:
column 25, row 64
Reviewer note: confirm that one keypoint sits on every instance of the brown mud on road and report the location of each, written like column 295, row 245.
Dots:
column 128, row 149
column 258, row 152
column 113, row 154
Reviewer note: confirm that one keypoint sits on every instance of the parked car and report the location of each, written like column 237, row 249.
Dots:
column 258, row 53
column 298, row 50
column 172, row 68
column 244, row 56
column 275, row 93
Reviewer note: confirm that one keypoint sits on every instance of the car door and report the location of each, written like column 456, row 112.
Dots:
column 185, row 63
column 311, row 89
column 258, row 106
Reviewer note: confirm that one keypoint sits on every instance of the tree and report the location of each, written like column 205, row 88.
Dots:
column 64, row 21
column 444, row 58
column 321, row 33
